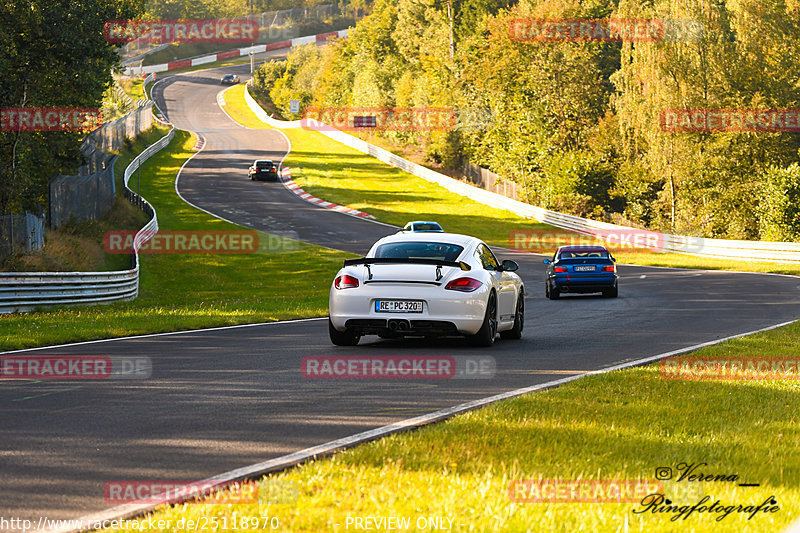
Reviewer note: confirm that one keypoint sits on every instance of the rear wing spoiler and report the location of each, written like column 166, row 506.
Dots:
column 400, row 261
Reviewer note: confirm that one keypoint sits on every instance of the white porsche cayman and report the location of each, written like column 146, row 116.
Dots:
column 430, row 284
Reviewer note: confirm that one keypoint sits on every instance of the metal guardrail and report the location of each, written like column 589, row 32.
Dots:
column 785, row 252
column 27, row 291
column 233, row 53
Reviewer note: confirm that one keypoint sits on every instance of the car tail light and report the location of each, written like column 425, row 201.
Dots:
column 463, row 285
column 611, row 268
column 560, row 269
column 345, row 282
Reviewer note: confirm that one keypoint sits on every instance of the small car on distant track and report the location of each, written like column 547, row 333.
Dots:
column 421, row 226
column 581, row 269
column 229, row 79
column 263, row 169
column 427, row 285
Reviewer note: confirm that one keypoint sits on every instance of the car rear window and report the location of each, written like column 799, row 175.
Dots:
column 427, row 227
column 583, row 255
column 264, row 164
column 419, row 250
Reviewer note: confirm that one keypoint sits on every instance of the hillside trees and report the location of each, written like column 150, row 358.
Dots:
column 577, row 123
column 707, row 181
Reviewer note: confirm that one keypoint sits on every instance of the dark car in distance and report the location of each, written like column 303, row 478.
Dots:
column 263, row 169
column 229, row 79
column 581, row 269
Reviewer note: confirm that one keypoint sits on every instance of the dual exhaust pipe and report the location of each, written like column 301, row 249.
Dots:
column 398, row 325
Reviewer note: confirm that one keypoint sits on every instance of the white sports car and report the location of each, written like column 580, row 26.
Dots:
column 432, row 284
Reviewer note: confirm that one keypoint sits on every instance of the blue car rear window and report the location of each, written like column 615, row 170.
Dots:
column 579, row 255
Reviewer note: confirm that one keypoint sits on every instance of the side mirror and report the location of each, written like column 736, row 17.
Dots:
column 546, row 261
column 509, row 266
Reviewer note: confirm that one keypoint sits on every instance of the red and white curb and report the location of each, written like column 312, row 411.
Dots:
column 237, row 52
column 198, row 145
column 286, row 179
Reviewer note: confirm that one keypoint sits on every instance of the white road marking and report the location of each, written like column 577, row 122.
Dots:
column 149, row 335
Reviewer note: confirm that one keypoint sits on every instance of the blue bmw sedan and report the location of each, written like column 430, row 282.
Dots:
column 581, row 269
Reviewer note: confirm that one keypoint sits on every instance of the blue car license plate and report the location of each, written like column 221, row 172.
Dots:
column 584, row 268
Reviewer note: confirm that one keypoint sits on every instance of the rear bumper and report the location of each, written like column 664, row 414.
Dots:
column 582, row 284
column 444, row 313
column 401, row 326
column 265, row 176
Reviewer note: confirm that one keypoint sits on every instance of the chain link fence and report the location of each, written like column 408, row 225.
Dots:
column 90, row 194
column 23, row 232
column 295, row 15
column 112, row 135
column 82, row 197
column 486, row 179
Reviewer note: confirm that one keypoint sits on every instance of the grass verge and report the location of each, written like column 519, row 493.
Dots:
column 78, row 247
column 616, row 426
column 339, row 174
column 181, row 292
column 132, row 86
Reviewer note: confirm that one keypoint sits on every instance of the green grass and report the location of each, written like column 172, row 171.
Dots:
column 339, row 174
column 620, row 425
column 180, row 292
column 133, row 87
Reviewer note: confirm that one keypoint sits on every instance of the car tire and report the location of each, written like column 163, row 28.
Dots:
column 519, row 320
column 550, row 293
column 488, row 332
column 339, row 338
column 611, row 293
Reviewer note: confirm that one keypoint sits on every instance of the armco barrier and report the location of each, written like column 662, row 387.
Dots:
column 698, row 246
column 236, row 52
column 25, row 291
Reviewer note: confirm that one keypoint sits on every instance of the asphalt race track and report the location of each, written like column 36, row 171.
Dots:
column 223, row 399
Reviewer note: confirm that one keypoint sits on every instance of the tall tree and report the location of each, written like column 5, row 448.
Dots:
column 52, row 54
